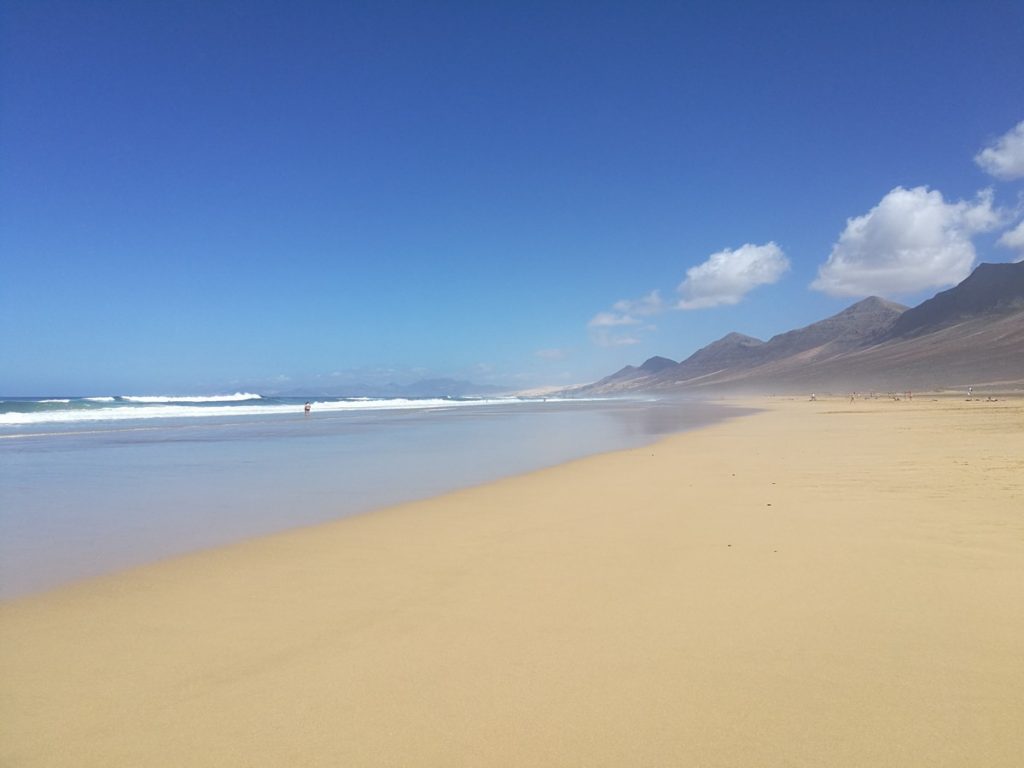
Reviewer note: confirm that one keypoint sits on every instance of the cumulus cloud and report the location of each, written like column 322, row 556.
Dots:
column 912, row 240
column 1014, row 238
column 725, row 278
column 1004, row 159
column 729, row 275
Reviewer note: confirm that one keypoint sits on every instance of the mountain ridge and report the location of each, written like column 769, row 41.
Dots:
column 990, row 287
column 972, row 333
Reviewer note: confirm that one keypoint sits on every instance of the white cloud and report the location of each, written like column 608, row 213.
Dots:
column 611, row 319
column 626, row 312
column 727, row 276
column 629, row 311
column 912, row 240
column 1014, row 238
column 1005, row 158
column 603, row 327
column 651, row 304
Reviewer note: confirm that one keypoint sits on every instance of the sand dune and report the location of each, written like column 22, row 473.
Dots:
column 819, row 584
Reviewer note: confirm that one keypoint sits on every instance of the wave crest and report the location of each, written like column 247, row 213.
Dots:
column 235, row 398
column 166, row 408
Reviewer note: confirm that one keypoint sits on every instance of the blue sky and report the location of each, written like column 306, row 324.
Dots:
column 205, row 196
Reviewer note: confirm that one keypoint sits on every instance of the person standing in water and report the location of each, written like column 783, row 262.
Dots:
column 307, row 408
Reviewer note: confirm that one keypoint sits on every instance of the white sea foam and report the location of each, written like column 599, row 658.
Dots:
column 400, row 403
column 235, row 398
column 142, row 414
column 174, row 411
column 100, row 399
column 56, row 400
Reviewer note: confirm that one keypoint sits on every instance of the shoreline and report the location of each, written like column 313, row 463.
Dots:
column 112, row 500
column 814, row 584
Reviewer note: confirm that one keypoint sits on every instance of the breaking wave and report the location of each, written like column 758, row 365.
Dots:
column 25, row 411
column 238, row 397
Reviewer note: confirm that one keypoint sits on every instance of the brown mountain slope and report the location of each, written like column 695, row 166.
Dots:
column 990, row 290
column 855, row 327
column 631, row 376
column 970, row 335
column 977, row 352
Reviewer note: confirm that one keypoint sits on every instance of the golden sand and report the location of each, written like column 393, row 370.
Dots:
column 819, row 584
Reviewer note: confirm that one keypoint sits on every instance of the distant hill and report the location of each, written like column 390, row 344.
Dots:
column 656, row 364
column 972, row 334
column 631, row 373
column 731, row 351
column 854, row 327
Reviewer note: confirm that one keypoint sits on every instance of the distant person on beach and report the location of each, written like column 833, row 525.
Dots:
column 308, row 406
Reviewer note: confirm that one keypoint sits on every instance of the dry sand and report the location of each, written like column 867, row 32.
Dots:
column 819, row 584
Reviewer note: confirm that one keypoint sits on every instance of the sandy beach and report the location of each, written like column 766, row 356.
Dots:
column 818, row 584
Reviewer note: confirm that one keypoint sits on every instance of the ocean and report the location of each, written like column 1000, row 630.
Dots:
column 90, row 485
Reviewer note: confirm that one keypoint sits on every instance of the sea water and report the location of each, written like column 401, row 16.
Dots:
column 92, row 485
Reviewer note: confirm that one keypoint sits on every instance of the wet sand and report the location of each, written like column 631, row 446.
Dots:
column 818, row 584
column 74, row 505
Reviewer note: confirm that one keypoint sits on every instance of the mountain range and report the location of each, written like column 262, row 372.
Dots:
column 969, row 335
